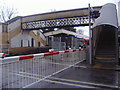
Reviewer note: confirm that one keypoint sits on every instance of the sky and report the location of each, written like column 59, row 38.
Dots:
column 29, row 7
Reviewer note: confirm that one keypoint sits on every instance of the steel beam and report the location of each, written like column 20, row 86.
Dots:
column 56, row 23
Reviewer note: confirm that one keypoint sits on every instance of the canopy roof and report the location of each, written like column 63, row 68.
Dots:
column 108, row 16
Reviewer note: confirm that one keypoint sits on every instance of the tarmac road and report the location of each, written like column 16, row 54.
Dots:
column 82, row 77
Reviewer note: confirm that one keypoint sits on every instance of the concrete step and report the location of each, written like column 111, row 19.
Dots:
column 106, row 51
column 104, row 54
column 105, row 58
column 99, row 60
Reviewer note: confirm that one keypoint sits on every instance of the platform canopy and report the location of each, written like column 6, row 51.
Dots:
column 63, row 31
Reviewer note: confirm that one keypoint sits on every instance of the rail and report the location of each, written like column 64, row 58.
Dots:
column 27, row 70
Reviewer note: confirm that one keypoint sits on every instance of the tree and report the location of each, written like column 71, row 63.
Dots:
column 80, row 31
column 7, row 13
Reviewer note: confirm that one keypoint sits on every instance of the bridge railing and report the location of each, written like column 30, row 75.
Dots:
column 27, row 70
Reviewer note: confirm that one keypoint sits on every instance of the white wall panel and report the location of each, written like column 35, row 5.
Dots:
column 16, row 41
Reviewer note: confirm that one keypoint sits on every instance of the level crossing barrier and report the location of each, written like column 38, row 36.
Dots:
column 26, row 70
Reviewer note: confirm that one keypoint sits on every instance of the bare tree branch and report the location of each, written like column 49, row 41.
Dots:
column 7, row 13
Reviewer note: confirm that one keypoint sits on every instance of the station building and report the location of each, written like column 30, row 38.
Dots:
column 14, row 40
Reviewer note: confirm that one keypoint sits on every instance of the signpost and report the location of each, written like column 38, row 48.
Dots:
column 90, row 35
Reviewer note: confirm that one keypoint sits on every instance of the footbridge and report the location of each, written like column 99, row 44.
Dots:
column 74, row 17
column 105, row 26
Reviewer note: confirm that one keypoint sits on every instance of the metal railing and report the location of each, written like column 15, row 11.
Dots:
column 27, row 70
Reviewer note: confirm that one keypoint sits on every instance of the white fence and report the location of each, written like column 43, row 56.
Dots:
column 24, row 71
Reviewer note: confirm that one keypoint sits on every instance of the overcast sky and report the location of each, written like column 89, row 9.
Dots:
column 28, row 7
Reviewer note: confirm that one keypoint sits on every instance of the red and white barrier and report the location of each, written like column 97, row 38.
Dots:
column 26, row 57
column 2, row 55
column 27, row 70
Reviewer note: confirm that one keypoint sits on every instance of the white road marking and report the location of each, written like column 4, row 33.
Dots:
column 58, row 82
column 74, row 81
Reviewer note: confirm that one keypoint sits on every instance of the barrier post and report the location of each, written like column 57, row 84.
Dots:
column 2, row 55
column 90, row 36
column 0, row 73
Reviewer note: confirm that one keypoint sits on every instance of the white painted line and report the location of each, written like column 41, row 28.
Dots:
column 71, row 84
column 58, row 82
column 52, row 74
column 73, row 81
